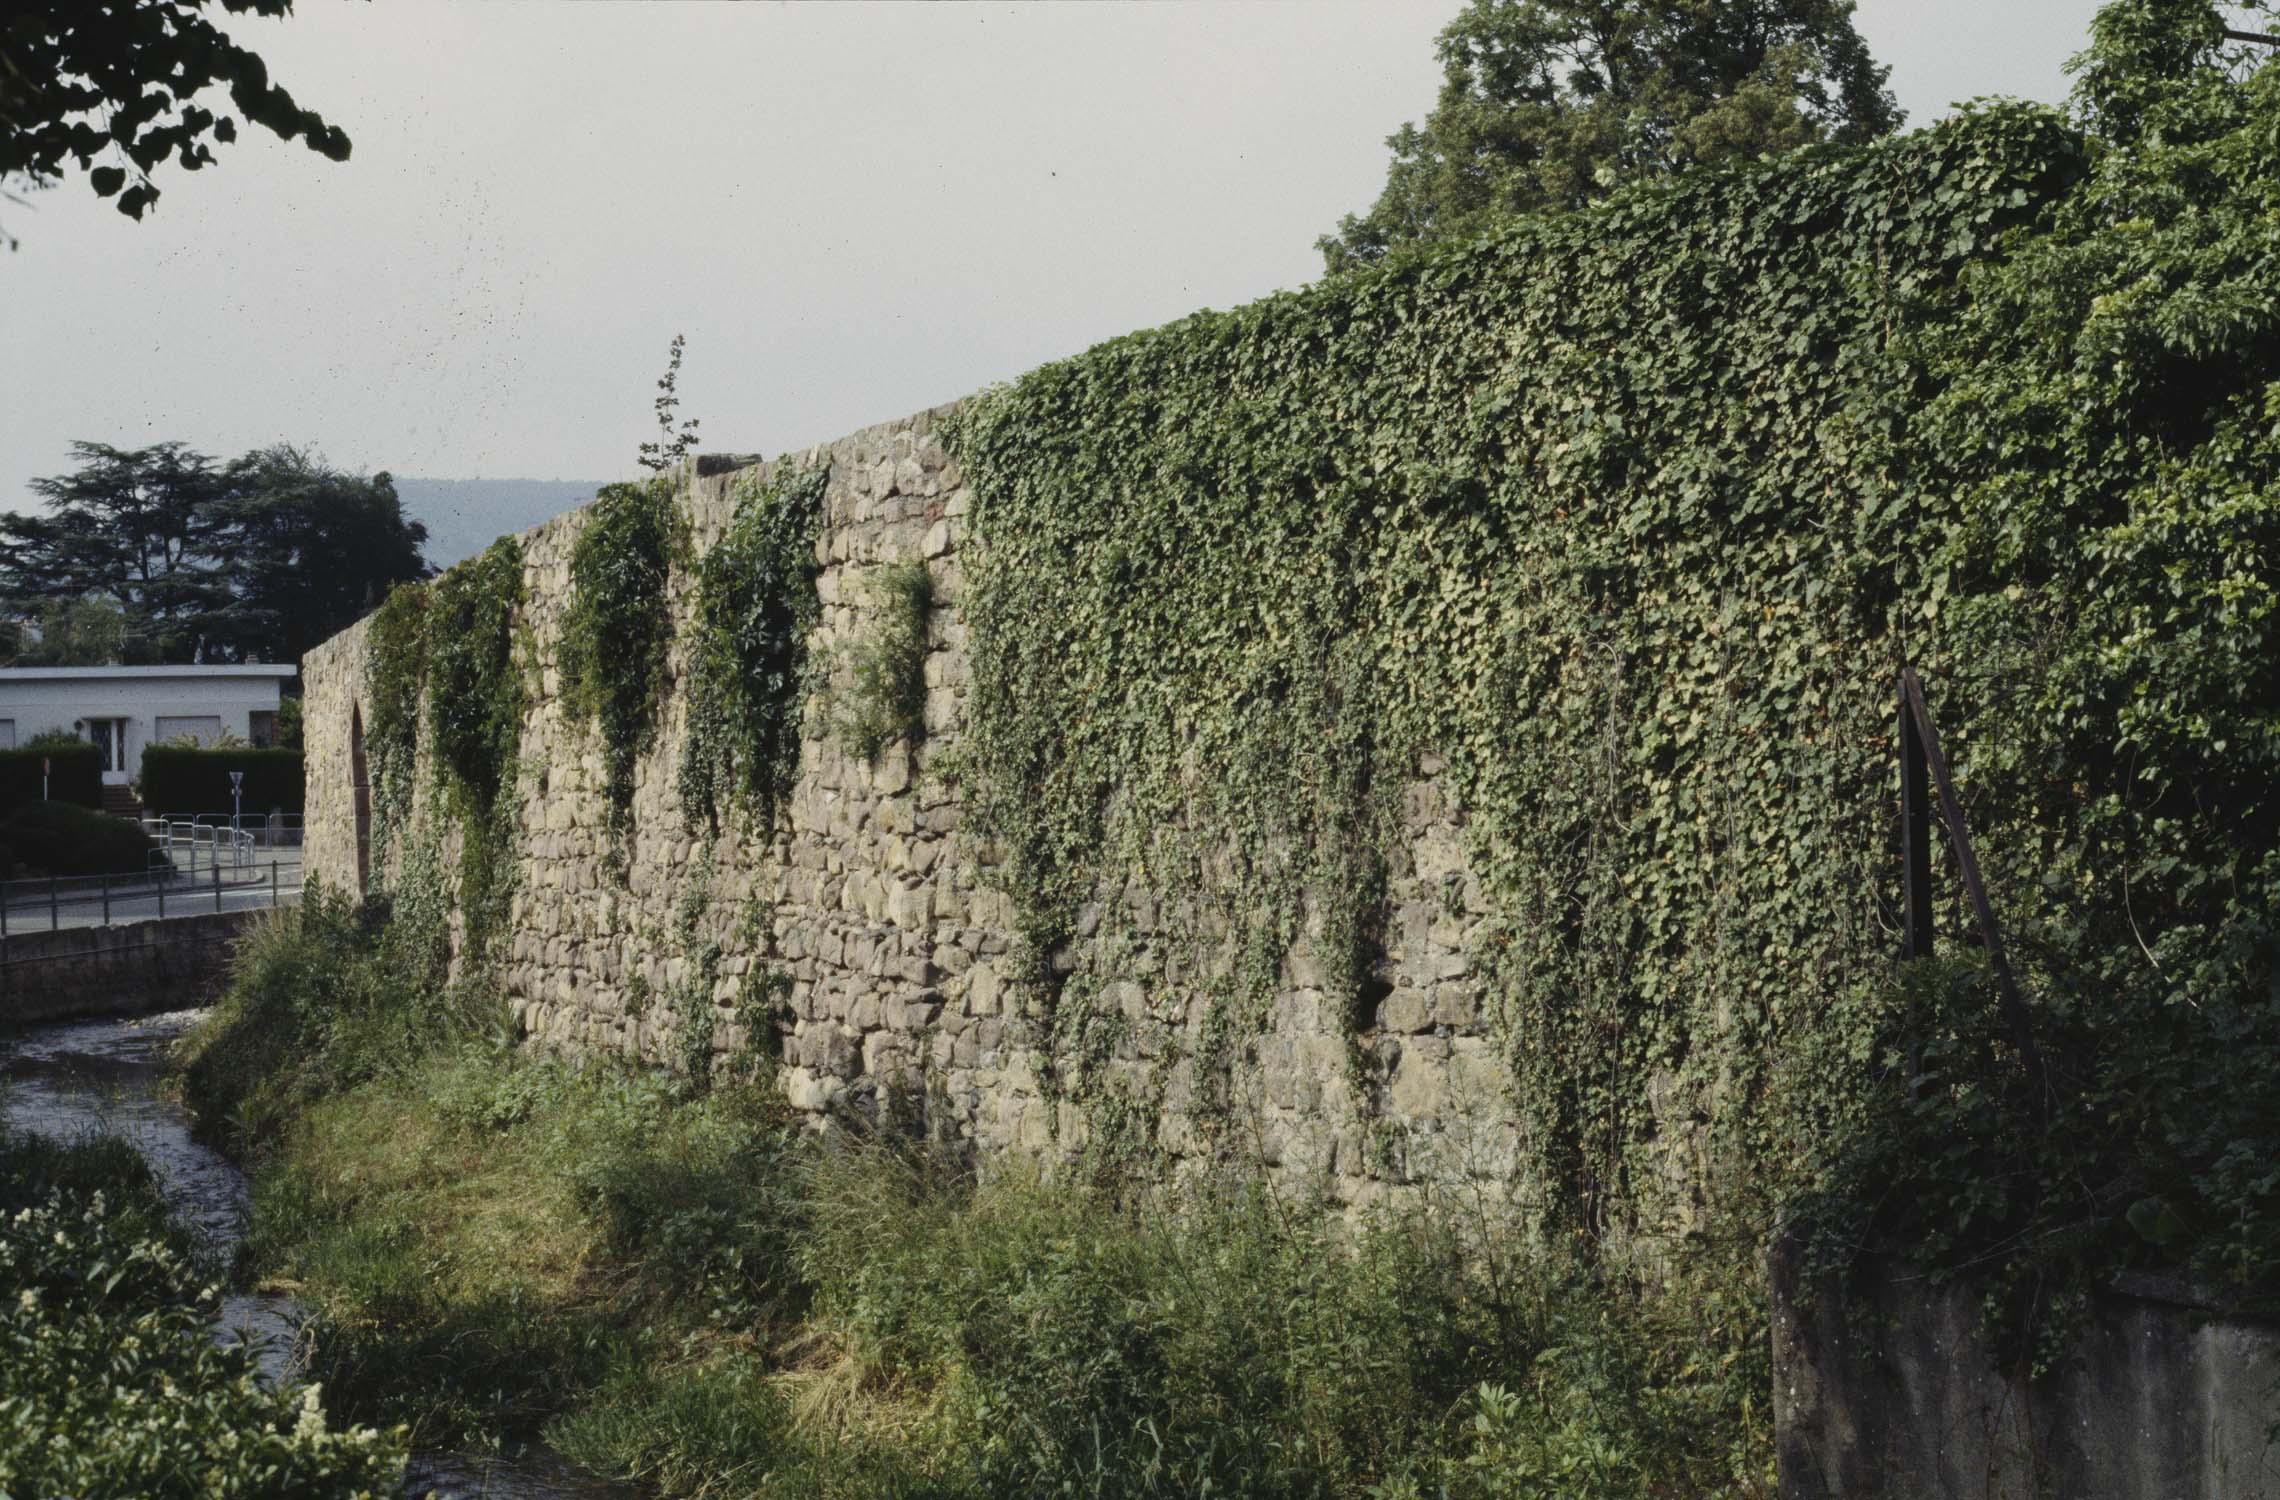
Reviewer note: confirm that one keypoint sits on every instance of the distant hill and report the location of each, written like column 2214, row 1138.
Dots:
column 463, row 516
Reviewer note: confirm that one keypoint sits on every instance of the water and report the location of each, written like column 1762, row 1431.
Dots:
column 101, row 1077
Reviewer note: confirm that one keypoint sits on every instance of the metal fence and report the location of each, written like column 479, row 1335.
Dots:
column 43, row 905
column 262, row 830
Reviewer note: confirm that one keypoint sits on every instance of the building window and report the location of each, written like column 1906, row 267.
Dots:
column 203, row 728
column 261, row 728
column 7, row 734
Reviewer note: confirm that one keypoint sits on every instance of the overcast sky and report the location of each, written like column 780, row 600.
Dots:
column 852, row 210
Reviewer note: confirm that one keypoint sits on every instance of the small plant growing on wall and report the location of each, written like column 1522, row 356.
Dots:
column 884, row 702
column 673, row 444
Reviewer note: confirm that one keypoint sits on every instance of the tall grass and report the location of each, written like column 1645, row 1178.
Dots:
column 685, row 1289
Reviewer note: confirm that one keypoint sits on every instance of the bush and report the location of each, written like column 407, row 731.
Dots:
column 63, row 838
column 177, row 780
column 111, row 1384
column 75, row 775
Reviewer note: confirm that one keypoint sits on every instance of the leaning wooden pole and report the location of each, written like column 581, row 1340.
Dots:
column 1918, row 716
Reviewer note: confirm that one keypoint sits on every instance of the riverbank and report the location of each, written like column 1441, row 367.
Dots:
column 676, row 1285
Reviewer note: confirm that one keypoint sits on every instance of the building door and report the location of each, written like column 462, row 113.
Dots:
column 110, row 737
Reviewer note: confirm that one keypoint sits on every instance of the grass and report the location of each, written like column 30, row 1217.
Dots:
column 684, row 1289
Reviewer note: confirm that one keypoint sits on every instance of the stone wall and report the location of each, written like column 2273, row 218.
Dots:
column 129, row 969
column 880, row 907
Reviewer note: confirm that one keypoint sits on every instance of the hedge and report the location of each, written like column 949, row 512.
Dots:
column 177, row 780
column 63, row 838
column 77, row 776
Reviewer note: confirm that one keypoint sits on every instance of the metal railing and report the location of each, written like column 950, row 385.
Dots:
column 278, row 830
column 52, row 902
column 184, row 844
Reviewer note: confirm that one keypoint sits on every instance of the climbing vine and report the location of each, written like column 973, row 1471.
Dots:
column 395, row 668
column 1621, row 522
column 755, row 608
column 618, row 625
column 884, row 701
column 476, row 699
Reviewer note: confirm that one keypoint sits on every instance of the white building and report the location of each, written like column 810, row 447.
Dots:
column 123, row 709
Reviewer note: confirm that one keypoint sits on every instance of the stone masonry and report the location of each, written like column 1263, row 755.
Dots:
column 880, row 909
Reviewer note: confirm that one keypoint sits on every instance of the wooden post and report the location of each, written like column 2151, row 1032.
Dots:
column 1915, row 837
column 1959, row 838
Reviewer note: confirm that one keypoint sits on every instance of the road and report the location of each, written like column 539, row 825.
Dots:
column 79, row 903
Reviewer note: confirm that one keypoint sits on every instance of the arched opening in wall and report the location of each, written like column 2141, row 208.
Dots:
column 360, row 788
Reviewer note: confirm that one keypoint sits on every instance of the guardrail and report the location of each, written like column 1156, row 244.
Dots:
column 44, row 905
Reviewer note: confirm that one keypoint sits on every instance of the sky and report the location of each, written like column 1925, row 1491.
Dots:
column 852, row 211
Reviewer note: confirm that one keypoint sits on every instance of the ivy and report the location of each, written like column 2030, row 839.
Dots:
column 755, row 607
column 884, row 702
column 395, row 669
column 476, row 701
column 1622, row 521
column 618, row 625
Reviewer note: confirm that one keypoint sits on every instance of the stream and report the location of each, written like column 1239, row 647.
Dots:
column 81, row 1078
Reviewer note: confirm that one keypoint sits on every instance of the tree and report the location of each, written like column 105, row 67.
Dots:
column 1548, row 104
column 130, row 525
column 306, row 550
column 119, row 81
column 253, row 562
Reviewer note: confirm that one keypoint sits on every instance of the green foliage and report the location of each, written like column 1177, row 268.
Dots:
column 475, row 693
column 1550, row 104
column 1627, row 517
column 320, row 1000
column 74, row 772
column 63, row 838
column 395, row 674
column 178, row 779
column 755, row 607
column 2099, row 504
column 111, row 1384
column 306, row 550
column 159, row 555
column 664, row 1273
column 139, row 69
column 617, row 627
column 476, row 699
column 884, row 702
column 1231, row 1344
column 672, row 444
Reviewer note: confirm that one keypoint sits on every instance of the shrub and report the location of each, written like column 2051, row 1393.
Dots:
column 319, row 1001
column 183, row 780
column 111, row 1383
column 75, row 774
column 63, row 838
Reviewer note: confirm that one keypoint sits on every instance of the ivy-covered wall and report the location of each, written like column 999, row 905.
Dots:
column 808, row 907
column 1437, row 725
